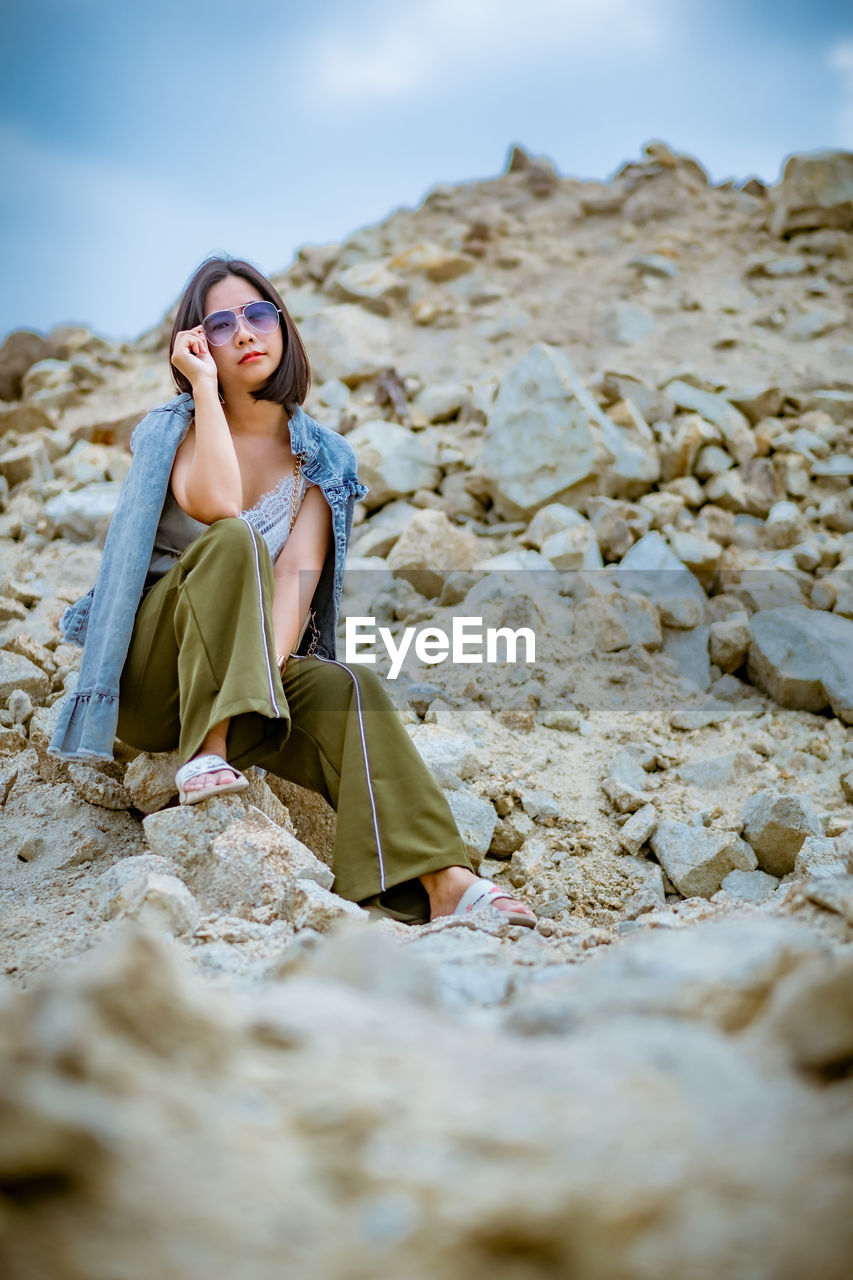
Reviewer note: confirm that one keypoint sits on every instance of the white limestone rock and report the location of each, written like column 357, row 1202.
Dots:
column 803, row 658
column 775, row 826
column 392, row 461
column 697, row 859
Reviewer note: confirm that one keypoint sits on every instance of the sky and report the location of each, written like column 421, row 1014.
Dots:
column 137, row 139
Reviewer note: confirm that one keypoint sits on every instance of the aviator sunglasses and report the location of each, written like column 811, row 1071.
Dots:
column 220, row 326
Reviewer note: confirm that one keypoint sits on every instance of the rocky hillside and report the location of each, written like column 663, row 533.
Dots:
column 619, row 415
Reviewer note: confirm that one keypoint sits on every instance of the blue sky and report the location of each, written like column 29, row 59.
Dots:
column 135, row 140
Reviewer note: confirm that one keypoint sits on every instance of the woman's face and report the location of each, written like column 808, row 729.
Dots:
column 234, row 376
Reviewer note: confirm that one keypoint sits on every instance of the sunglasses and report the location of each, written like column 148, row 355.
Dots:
column 220, row 326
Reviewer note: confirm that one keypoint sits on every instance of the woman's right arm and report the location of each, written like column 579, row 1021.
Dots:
column 206, row 477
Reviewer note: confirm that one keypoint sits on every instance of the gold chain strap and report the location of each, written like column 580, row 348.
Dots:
column 315, row 640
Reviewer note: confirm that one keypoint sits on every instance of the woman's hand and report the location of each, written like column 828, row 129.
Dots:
column 191, row 356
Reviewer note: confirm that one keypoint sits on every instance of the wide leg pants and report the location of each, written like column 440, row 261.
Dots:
column 203, row 649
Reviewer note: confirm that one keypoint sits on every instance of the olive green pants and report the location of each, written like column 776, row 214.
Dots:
column 203, row 649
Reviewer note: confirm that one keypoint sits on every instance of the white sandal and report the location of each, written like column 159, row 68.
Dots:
column 207, row 764
column 481, row 889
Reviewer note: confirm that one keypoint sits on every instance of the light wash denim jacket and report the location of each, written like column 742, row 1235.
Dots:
column 102, row 620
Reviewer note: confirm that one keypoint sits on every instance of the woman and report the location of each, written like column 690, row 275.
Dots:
column 247, row 556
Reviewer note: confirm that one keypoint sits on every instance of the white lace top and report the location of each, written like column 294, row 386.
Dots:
column 270, row 515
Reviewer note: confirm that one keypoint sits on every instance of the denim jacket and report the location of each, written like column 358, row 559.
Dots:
column 102, row 620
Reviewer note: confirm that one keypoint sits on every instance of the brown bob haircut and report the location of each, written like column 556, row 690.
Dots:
column 288, row 384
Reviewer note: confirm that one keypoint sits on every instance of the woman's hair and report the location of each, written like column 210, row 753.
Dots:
column 288, row 384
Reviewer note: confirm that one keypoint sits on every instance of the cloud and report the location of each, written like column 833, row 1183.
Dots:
column 840, row 58
column 406, row 50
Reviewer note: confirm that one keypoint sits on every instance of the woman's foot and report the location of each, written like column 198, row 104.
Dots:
column 205, row 780
column 213, row 745
column 447, row 886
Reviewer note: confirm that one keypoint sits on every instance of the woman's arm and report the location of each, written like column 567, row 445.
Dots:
column 297, row 570
column 206, row 477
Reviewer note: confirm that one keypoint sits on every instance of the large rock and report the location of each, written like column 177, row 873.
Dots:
column 816, row 191
column 776, row 825
column 346, row 342
column 696, row 859
column 651, row 569
column 546, row 436
column 718, row 971
column 371, row 285
column 234, row 859
column 392, row 462
column 83, row 515
column 429, row 548
column 663, row 1147
column 804, row 659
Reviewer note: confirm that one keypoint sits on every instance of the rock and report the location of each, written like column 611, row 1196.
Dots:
column 346, row 342
column 712, row 461
column 712, row 772
column 816, row 191
column 697, row 859
column 27, row 461
column 544, row 434
column 96, row 787
column 392, row 461
column 626, row 323
column 814, row 323
column 20, row 706
column 835, row 892
column 625, row 782
column 617, row 524
column 573, row 549
column 801, row 657
column 650, row 568
column 692, row 718
column 541, row 806
column 233, row 858
column 637, row 830
column 689, row 651
column 733, row 425
column 729, row 640
column 549, row 520
column 749, row 886
column 775, row 825
column 370, row 284
column 616, row 621
column 441, row 402
column 150, row 780
column 810, row 1015
column 162, row 902
column 83, row 515
column 719, row 971
column 309, row 906
column 429, row 548
column 436, row 264
column 19, row 673
column 753, row 488
column 442, row 748
column 819, row 856
column 654, row 264
column 51, row 828
column 20, row 351
column 699, row 554
column 476, row 820
column 510, row 834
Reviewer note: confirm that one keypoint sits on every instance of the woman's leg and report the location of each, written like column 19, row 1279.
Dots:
column 202, row 651
column 397, row 843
